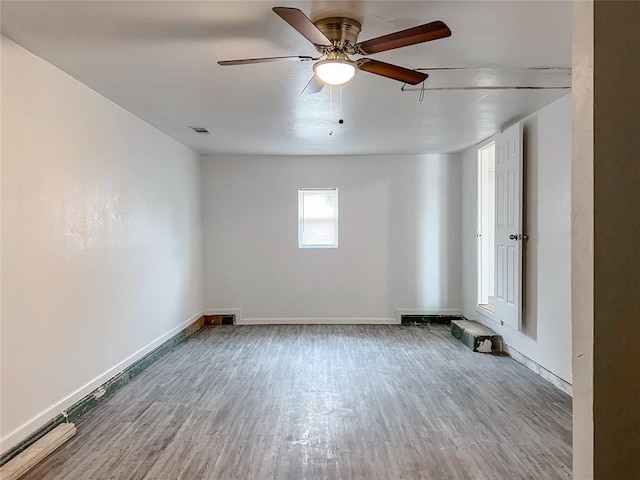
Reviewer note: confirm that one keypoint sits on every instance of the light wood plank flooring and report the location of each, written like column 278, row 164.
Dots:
column 323, row 402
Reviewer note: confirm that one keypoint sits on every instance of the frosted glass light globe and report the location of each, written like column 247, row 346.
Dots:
column 335, row 72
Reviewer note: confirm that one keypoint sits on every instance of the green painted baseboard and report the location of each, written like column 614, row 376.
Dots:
column 428, row 319
column 104, row 391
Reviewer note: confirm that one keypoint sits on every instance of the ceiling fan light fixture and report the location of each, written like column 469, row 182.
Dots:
column 335, row 71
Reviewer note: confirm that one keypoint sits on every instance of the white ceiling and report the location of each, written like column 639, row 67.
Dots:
column 157, row 59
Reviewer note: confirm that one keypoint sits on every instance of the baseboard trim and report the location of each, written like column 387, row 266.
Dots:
column 97, row 390
column 317, row 321
column 531, row 364
column 535, row 367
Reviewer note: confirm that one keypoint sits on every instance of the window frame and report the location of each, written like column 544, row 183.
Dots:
column 301, row 217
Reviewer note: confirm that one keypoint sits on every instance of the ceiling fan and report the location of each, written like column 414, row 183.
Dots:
column 335, row 38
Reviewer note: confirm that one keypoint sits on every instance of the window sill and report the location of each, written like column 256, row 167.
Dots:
column 486, row 308
column 488, row 314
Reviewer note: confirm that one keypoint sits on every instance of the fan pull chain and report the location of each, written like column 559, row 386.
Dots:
column 341, row 119
column 330, row 109
column 421, row 97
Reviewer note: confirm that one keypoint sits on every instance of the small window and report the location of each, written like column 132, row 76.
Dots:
column 318, row 218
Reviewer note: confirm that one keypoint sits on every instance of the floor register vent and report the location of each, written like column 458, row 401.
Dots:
column 220, row 319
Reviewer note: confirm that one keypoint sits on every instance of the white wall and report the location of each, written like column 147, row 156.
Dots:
column 582, row 237
column 101, row 246
column 546, row 338
column 399, row 245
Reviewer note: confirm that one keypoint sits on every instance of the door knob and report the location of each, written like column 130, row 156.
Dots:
column 513, row 237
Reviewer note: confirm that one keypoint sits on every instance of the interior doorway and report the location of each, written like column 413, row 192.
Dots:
column 486, row 225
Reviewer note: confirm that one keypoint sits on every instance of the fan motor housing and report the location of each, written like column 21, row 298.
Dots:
column 339, row 30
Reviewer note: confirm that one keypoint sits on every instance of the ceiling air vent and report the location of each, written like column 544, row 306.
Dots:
column 201, row 130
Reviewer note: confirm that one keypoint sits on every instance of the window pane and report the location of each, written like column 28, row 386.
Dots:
column 318, row 217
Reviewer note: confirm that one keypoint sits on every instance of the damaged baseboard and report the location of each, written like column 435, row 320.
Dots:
column 29, row 458
column 219, row 319
column 410, row 316
column 535, row 367
column 428, row 319
column 108, row 388
column 225, row 312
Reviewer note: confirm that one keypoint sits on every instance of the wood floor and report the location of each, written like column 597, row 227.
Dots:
column 323, row 402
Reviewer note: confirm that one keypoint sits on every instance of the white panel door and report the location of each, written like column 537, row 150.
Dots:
column 509, row 238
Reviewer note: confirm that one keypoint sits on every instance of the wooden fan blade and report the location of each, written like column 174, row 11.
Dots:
column 303, row 25
column 248, row 61
column 404, row 38
column 313, row 86
column 392, row 71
